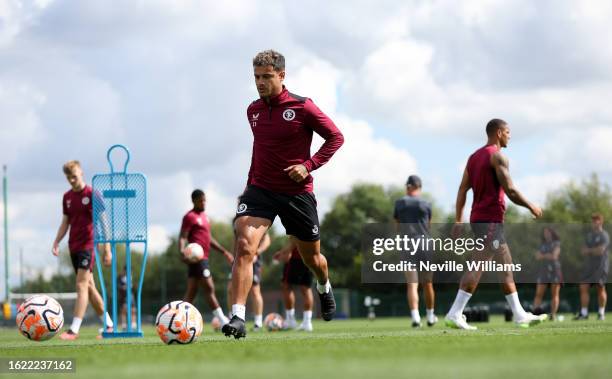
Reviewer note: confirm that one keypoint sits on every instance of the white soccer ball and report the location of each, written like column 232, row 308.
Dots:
column 40, row 317
column 273, row 322
column 179, row 322
column 194, row 252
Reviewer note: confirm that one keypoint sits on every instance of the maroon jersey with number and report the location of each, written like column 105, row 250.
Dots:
column 197, row 227
column 77, row 206
column 282, row 135
column 489, row 204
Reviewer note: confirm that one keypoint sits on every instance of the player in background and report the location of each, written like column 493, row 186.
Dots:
column 596, row 265
column 549, row 271
column 122, row 294
column 487, row 175
column 78, row 219
column 195, row 228
column 280, row 182
column 295, row 273
column 413, row 214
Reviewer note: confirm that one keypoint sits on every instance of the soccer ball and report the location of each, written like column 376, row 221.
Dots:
column 179, row 322
column 40, row 317
column 194, row 252
column 273, row 322
column 216, row 324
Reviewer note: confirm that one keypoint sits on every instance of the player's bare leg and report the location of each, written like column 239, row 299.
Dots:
column 208, row 285
column 191, row 291
column 430, row 299
column 80, row 306
column 310, row 251
column 583, row 314
column 257, row 304
column 554, row 300
column 602, row 298
column 95, row 299
column 539, row 295
column 412, row 295
column 249, row 232
column 306, row 324
column 289, row 301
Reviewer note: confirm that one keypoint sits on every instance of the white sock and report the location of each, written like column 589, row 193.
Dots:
column 459, row 304
column 416, row 317
column 602, row 311
column 258, row 320
column 76, row 325
column 307, row 317
column 430, row 315
column 517, row 309
column 219, row 313
column 323, row 288
column 109, row 320
column 239, row 311
column 584, row 311
column 290, row 314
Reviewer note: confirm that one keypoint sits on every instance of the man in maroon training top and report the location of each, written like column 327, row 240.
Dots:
column 279, row 182
column 195, row 228
column 487, row 174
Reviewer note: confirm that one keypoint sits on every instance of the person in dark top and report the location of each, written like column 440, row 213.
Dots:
column 549, row 271
column 596, row 265
column 413, row 213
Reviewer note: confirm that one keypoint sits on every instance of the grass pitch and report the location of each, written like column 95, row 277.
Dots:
column 341, row 349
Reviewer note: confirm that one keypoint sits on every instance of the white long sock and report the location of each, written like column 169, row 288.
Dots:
column 220, row 315
column 584, row 311
column 258, row 320
column 416, row 317
column 517, row 309
column 290, row 314
column 307, row 317
column 430, row 315
column 76, row 325
column 459, row 304
column 109, row 320
column 239, row 311
column 323, row 288
column 602, row 311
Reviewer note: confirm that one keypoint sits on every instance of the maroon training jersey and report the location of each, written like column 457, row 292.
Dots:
column 295, row 254
column 197, row 227
column 282, row 132
column 77, row 206
column 489, row 204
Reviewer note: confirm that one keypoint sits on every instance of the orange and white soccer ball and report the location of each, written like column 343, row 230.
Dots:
column 40, row 317
column 179, row 322
column 194, row 252
column 273, row 322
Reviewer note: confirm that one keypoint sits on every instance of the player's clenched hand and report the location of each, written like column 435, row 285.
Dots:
column 229, row 257
column 297, row 172
column 536, row 211
column 55, row 249
column 182, row 257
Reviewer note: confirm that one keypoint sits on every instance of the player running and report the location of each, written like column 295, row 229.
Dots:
column 549, row 272
column 414, row 213
column 596, row 266
column 196, row 229
column 78, row 218
column 279, row 182
column 487, row 174
column 295, row 273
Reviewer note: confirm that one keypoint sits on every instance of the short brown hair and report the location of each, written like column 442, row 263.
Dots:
column 597, row 216
column 70, row 166
column 270, row 58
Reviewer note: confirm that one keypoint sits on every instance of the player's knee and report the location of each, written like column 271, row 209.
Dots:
column 245, row 248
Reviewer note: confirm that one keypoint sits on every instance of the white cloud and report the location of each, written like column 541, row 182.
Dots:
column 536, row 187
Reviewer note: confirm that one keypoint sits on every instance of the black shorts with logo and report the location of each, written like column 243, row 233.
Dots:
column 298, row 213
column 491, row 232
column 82, row 260
column 297, row 273
column 198, row 270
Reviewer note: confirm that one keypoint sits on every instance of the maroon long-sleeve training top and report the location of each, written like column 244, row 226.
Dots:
column 282, row 131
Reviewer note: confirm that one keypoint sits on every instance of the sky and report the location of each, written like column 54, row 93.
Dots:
column 411, row 84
